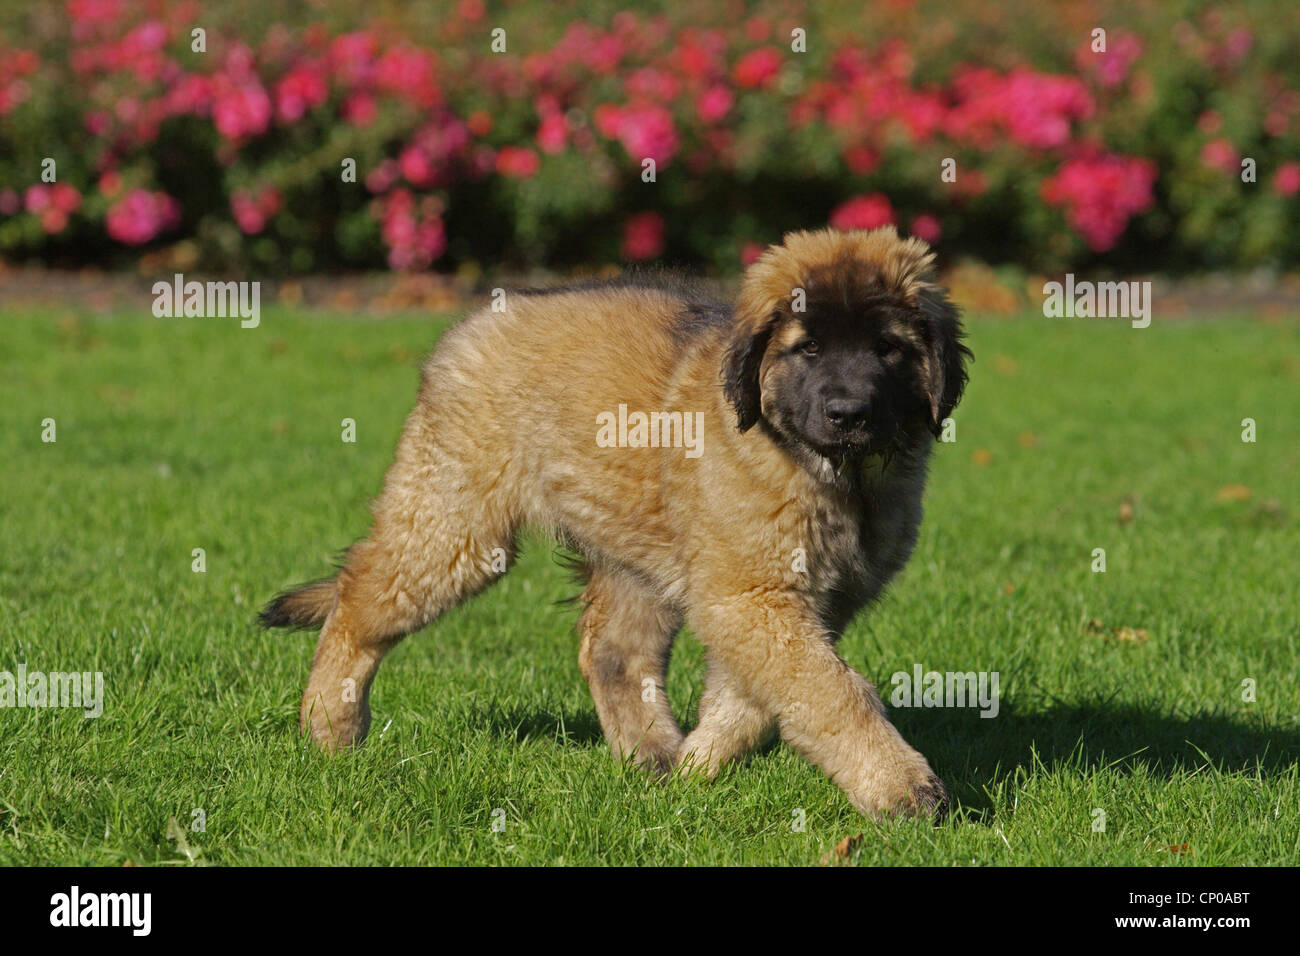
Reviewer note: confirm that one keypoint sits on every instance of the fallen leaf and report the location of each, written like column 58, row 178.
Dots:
column 981, row 457
column 1127, row 635
column 1005, row 365
column 1126, row 511
column 1233, row 493
column 1116, row 635
column 291, row 294
column 843, row 850
column 1027, row 439
column 1008, row 588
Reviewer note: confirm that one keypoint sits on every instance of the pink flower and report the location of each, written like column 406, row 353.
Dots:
column 110, row 184
column 1221, row 155
column 861, row 159
column 604, row 54
column 350, row 56
column 429, row 160
column 37, row 198
column 699, row 55
column 415, row 235
column 190, row 95
column 1100, row 194
column 646, row 132
column 758, row 67
column 517, row 162
column 407, row 72
column 251, row 213
column 757, row 29
column 1034, row 109
column 382, row 177
column 53, row 203
column 301, row 89
column 94, row 12
column 553, row 133
column 1110, row 68
column 140, row 215
column 1237, row 46
column 65, row 198
column 417, row 167
column 863, row 212
column 1287, row 181
column 1038, row 108
column 240, row 109
column 750, row 252
column 643, row 236
column 359, row 109
column 714, row 103
column 926, row 226
column 652, row 84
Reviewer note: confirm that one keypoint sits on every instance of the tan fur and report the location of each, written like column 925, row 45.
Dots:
column 503, row 437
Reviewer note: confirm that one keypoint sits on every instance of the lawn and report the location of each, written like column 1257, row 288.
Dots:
column 1074, row 435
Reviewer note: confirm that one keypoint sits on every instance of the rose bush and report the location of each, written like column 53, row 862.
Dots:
column 1062, row 155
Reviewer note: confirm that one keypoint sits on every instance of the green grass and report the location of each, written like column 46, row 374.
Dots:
column 180, row 434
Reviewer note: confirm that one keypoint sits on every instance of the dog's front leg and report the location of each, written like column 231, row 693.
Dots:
column 774, row 646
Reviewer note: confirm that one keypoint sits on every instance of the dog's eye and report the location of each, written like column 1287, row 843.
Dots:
column 809, row 347
column 889, row 348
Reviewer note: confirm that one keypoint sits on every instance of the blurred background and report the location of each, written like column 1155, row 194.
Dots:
column 232, row 160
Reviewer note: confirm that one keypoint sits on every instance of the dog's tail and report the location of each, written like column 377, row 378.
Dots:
column 305, row 606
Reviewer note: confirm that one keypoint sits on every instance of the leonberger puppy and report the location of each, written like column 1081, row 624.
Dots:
column 753, row 471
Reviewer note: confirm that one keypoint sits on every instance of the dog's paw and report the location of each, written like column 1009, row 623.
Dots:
column 657, row 765
column 698, row 756
column 930, row 799
column 911, row 791
column 333, row 729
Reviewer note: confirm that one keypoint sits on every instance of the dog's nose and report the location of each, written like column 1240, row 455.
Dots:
column 847, row 413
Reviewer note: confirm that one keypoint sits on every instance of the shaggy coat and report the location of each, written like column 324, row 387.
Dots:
column 814, row 402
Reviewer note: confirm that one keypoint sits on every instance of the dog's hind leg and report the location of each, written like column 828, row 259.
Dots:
column 434, row 543
column 731, row 724
column 627, row 635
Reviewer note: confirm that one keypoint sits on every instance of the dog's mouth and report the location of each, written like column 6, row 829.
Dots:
column 856, row 445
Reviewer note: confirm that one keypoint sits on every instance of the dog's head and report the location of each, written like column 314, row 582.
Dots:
column 844, row 344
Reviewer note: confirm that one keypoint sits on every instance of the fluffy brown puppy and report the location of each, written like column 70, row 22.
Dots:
column 755, row 472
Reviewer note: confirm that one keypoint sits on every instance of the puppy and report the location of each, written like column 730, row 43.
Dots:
column 754, row 471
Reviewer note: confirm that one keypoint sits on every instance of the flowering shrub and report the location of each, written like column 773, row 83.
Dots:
column 631, row 136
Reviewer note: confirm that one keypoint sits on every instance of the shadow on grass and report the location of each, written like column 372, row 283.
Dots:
column 579, row 726
column 973, row 753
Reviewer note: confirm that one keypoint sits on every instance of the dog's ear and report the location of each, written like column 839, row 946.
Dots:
column 740, row 368
column 945, row 363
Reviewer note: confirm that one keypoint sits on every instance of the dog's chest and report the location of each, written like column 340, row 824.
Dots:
column 863, row 540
